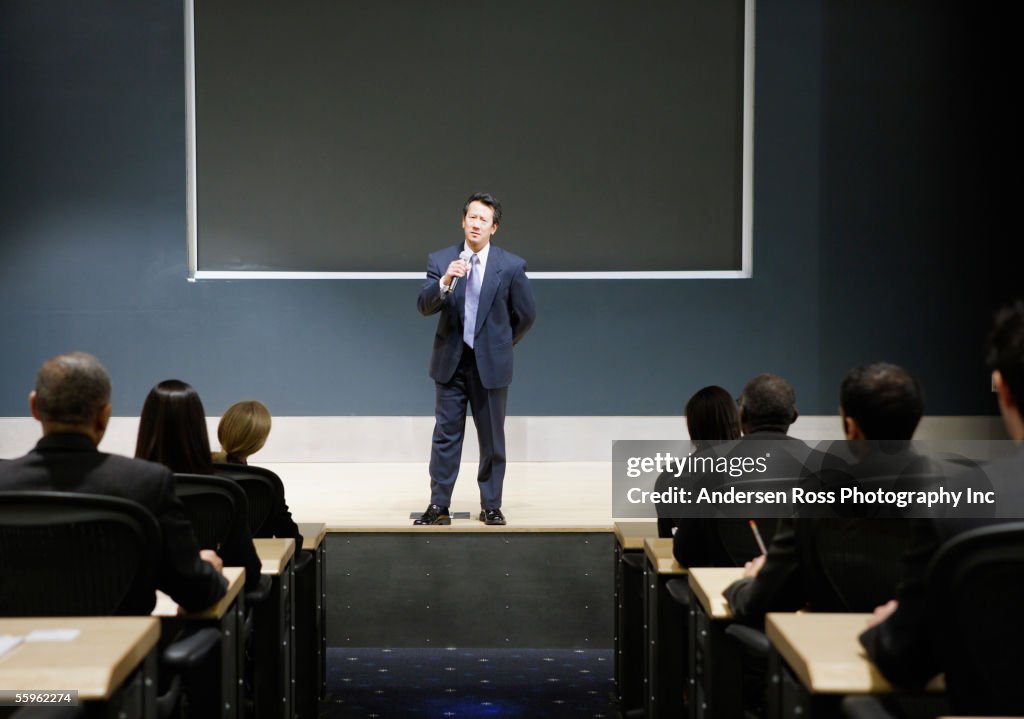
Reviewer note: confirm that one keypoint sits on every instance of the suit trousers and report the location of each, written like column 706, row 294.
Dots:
column 488, row 406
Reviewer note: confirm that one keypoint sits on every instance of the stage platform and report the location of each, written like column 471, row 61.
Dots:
column 545, row 580
column 379, row 496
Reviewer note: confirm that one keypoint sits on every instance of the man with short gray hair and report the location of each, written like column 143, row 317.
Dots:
column 71, row 400
column 768, row 404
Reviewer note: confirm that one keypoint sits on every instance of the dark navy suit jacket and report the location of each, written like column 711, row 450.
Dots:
column 506, row 312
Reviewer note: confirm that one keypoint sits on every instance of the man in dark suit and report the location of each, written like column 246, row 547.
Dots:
column 72, row 401
column 880, row 401
column 486, row 306
column 903, row 639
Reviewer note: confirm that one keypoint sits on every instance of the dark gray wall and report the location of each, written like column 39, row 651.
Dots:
column 879, row 216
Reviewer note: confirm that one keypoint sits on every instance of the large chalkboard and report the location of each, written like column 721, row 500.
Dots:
column 342, row 136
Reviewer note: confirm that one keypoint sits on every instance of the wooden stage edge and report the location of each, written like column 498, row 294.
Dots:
column 464, row 528
column 379, row 497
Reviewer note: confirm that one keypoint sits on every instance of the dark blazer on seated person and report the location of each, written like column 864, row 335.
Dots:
column 72, row 463
column 697, row 541
column 834, row 564
column 825, row 565
column 905, row 647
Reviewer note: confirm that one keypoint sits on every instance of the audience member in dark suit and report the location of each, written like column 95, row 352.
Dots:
column 903, row 640
column 711, row 418
column 876, row 401
column 242, row 431
column 72, row 402
column 172, row 431
column 767, row 408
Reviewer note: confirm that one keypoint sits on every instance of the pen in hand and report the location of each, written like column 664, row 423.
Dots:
column 757, row 537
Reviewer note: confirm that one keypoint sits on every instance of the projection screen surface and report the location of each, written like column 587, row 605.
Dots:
column 339, row 138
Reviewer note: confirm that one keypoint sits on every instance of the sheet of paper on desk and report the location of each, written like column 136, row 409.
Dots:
column 53, row 635
column 9, row 642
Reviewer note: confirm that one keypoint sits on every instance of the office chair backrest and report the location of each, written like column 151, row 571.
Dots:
column 976, row 592
column 262, row 492
column 70, row 554
column 213, row 505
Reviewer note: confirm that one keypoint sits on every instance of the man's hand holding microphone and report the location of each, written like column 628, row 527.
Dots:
column 458, row 268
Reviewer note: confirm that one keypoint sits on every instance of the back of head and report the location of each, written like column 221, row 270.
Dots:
column 71, row 389
column 768, row 402
column 172, row 429
column 243, row 429
column 711, row 417
column 884, row 399
column 1005, row 351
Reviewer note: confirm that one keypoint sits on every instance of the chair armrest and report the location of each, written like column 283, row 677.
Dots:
column 260, row 593
column 634, row 560
column 753, row 641
column 302, row 560
column 679, row 590
column 865, row 707
column 191, row 651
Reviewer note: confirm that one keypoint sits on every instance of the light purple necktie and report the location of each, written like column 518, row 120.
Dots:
column 476, row 281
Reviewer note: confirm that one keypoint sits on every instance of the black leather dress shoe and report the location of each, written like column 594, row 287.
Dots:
column 492, row 516
column 434, row 515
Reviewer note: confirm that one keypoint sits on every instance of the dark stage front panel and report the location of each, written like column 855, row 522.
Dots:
column 470, row 589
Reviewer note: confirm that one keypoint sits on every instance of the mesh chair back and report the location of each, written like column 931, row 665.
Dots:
column 976, row 590
column 261, row 491
column 69, row 554
column 212, row 504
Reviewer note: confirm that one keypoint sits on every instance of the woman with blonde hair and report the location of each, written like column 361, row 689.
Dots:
column 243, row 430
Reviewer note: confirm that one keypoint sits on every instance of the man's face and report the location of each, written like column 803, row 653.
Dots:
column 478, row 225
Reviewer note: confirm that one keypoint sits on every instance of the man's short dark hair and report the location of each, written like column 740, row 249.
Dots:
column 768, row 401
column 487, row 199
column 71, row 389
column 884, row 399
column 1005, row 349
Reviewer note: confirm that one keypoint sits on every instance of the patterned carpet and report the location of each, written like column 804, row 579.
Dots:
column 462, row 683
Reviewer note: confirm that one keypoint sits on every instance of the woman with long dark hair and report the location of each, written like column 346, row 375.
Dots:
column 711, row 418
column 172, row 431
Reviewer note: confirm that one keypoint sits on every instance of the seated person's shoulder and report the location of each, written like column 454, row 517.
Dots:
column 140, row 480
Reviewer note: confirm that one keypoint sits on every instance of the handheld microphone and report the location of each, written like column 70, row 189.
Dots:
column 465, row 256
